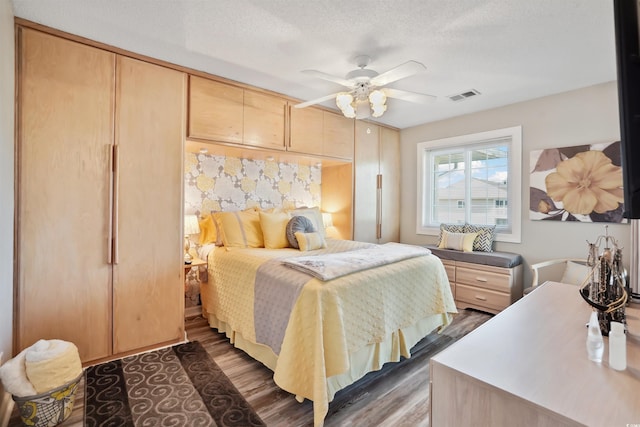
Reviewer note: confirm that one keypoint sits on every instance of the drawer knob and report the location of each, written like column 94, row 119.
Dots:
column 481, row 298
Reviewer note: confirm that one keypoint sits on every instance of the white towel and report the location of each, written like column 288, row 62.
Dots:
column 51, row 364
column 14, row 376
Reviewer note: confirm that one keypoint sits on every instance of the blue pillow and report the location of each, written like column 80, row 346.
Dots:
column 296, row 224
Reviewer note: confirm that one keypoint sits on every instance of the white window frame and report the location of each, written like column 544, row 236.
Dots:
column 424, row 184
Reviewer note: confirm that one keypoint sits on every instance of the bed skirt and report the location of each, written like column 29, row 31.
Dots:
column 367, row 359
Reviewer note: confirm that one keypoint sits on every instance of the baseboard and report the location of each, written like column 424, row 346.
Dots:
column 6, row 407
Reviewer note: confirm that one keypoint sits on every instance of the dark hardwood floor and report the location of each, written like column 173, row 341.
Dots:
column 397, row 395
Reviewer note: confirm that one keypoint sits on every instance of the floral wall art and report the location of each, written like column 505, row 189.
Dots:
column 580, row 183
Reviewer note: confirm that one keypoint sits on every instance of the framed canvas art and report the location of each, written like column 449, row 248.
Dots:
column 580, row 183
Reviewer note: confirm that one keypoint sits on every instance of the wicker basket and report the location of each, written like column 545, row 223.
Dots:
column 50, row 408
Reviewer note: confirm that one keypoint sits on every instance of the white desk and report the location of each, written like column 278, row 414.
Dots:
column 528, row 366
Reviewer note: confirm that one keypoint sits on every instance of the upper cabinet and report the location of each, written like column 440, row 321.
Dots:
column 338, row 132
column 319, row 132
column 215, row 110
column 264, row 120
column 225, row 113
column 306, row 129
column 221, row 112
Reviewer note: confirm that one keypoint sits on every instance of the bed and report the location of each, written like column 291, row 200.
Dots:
column 332, row 332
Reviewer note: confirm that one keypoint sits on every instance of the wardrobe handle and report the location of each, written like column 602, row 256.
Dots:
column 110, row 232
column 116, row 186
column 379, row 206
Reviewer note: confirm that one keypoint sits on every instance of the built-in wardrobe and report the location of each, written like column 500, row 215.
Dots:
column 99, row 151
column 376, row 206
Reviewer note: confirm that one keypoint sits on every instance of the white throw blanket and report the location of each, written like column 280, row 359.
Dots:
column 330, row 266
column 14, row 376
column 46, row 365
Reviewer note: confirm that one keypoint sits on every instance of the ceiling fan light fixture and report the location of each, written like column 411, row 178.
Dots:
column 363, row 109
column 378, row 98
column 344, row 101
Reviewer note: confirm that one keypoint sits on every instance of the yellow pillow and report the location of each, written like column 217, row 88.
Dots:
column 457, row 241
column 274, row 229
column 241, row 229
column 310, row 241
column 208, row 230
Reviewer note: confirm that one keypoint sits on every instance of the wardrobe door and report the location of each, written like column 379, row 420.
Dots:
column 390, row 191
column 148, row 264
column 366, row 159
column 65, row 130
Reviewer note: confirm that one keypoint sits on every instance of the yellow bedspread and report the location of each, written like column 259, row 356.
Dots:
column 331, row 321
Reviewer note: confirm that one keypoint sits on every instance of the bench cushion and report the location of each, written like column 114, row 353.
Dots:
column 495, row 259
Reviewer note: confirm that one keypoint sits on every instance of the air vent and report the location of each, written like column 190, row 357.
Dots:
column 464, row 95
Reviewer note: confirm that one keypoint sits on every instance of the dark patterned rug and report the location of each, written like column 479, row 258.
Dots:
column 177, row 386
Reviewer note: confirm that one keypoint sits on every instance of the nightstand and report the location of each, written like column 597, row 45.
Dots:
column 192, row 280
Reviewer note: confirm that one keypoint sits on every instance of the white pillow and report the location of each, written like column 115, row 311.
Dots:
column 575, row 273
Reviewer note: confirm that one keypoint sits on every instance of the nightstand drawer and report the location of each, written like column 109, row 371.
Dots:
column 482, row 297
column 483, row 279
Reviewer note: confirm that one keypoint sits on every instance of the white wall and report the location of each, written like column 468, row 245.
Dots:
column 6, row 175
column 578, row 117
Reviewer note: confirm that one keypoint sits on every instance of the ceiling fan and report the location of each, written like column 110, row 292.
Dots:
column 366, row 92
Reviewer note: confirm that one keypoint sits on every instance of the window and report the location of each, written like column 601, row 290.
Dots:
column 471, row 178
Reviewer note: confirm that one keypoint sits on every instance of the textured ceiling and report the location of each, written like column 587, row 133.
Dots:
column 508, row 50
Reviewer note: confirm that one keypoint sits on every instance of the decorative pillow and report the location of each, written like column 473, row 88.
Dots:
column 451, row 228
column 208, row 230
column 486, row 234
column 274, row 229
column 241, row 229
column 310, row 241
column 314, row 215
column 575, row 273
column 458, row 241
column 298, row 224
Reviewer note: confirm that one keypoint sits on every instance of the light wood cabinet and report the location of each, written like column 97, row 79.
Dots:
column 215, row 110
column 63, row 277
column 306, row 127
column 147, row 285
column 322, row 133
column 99, row 198
column 484, row 287
column 338, row 135
column 264, row 120
column 377, row 183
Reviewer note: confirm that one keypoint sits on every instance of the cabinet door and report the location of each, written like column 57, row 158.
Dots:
column 215, row 110
column 338, row 136
column 148, row 300
column 264, row 120
column 366, row 159
column 65, row 129
column 390, row 192
column 306, row 130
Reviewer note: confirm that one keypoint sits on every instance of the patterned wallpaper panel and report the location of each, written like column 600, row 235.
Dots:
column 220, row 183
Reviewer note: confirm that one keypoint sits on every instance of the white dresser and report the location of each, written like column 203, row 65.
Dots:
column 528, row 366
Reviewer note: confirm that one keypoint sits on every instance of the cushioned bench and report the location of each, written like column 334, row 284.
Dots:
column 496, row 259
column 487, row 281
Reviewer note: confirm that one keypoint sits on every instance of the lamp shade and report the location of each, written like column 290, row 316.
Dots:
column 191, row 225
column 327, row 219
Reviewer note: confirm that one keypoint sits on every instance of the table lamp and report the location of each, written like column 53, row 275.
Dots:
column 191, row 226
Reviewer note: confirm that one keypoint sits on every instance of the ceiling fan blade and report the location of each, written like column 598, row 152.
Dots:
column 407, row 69
column 317, row 101
column 418, row 98
column 329, row 77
